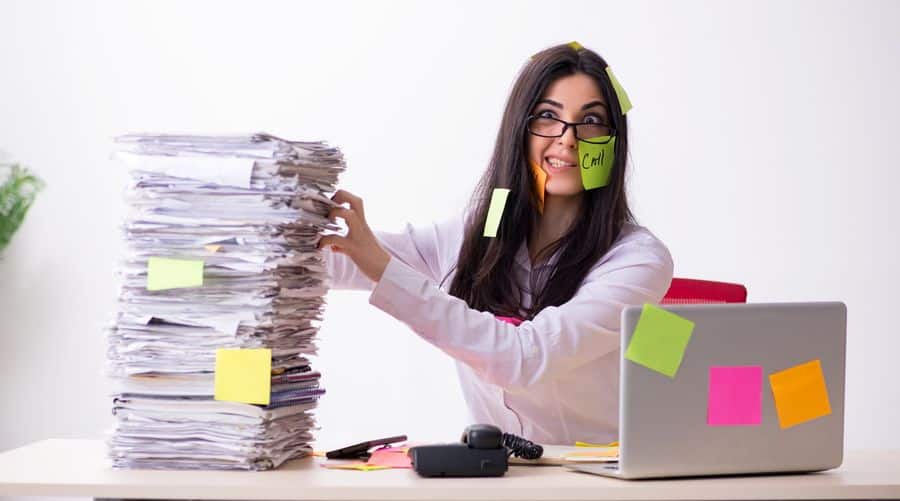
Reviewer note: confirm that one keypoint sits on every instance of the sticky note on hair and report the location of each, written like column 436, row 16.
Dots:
column 495, row 211
column 596, row 161
column 735, row 396
column 243, row 375
column 540, row 183
column 800, row 394
column 575, row 45
column 621, row 95
column 166, row 273
column 659, row 340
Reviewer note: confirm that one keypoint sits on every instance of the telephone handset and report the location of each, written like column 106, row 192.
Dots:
column 484, row 452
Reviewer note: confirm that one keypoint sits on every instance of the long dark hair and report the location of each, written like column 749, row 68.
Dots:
column 485, row 276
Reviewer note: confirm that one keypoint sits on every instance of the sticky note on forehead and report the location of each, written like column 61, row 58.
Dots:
column 659, row 340
column 622, row 96
column 166, row 273
column 596, row 161
column 495, row 211
column 800, row 394
column 243, row 375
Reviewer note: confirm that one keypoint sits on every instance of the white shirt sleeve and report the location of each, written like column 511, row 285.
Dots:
column 637, row 270
column 425, row 250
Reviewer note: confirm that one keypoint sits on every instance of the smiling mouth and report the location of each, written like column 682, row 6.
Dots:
column 559, row 164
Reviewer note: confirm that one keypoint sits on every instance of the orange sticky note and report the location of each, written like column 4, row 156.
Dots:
column 243, row 375
column 212, row 248
column 800, row 394
column 540, row 181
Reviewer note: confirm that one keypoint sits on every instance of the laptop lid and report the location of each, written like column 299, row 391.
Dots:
column 673, row 426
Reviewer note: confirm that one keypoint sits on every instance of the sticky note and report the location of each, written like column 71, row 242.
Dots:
column 356, row 465
column 243, row 375
column 212, row 248
column 495, row 211
column 392, row 458
column 166, row 273
column 614, row 443
column 596, row 161
column 735, row 396
column 659, row 340
column 575, row 45
column 624, row 102
column 540, row 184
column 800, row 393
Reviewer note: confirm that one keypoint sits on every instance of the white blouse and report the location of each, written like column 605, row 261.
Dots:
column 553, row 379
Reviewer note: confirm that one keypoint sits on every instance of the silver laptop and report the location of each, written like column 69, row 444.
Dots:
column 663, row 422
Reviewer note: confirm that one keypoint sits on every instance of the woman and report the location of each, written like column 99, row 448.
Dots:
column 531, row 316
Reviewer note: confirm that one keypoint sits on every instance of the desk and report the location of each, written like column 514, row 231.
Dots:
column 79, row 468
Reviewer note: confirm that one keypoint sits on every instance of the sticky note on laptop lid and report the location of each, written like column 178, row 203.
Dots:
column 800, row 394
column 659, row 340
column 735, row 396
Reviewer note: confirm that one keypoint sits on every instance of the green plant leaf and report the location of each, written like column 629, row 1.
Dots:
column 17, row 192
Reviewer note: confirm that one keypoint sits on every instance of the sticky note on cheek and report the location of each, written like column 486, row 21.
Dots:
column 166, row 273
column 495, row 211
column 596, row 161
column 735, row 396
column 659, row 340
column 540, row 182
column 243, row 375
column 800, row 394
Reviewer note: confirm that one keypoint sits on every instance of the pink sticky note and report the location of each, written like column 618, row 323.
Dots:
column 735, row 396
column 394, row 458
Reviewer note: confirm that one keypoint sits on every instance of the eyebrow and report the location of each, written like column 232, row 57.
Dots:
column 560, row 106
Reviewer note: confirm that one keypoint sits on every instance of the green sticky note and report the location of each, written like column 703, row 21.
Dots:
column 166, row 273
column 624, row 102
column 596, row 161
column 659, row 340
column 243, row 375
column 495, row 211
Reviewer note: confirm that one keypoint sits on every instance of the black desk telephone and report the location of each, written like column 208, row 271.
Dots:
column 484, row 452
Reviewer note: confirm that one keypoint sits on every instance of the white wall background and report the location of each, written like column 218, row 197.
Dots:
column 764, row 136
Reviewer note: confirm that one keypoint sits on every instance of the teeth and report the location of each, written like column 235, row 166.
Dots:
column 559, row 163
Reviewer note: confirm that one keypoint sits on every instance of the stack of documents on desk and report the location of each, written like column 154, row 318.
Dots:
column 221, row 254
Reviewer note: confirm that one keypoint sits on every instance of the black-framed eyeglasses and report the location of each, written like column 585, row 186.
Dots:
column 584, row 131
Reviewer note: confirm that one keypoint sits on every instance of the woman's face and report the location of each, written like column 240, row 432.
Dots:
column 573, row 98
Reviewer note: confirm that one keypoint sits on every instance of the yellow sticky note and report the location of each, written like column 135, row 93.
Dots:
column 212, row 248
column 588, row 444
column 540, row 182
column 607, row 452
column 166, row 273
column 575, row 45
column 800, row 394
column 495, row 211
column 243, row 375
column 624, row 102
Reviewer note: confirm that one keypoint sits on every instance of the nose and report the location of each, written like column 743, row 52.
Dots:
column 568, row 139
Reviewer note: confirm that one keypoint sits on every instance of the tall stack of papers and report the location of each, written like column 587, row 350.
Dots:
column 222, row 290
